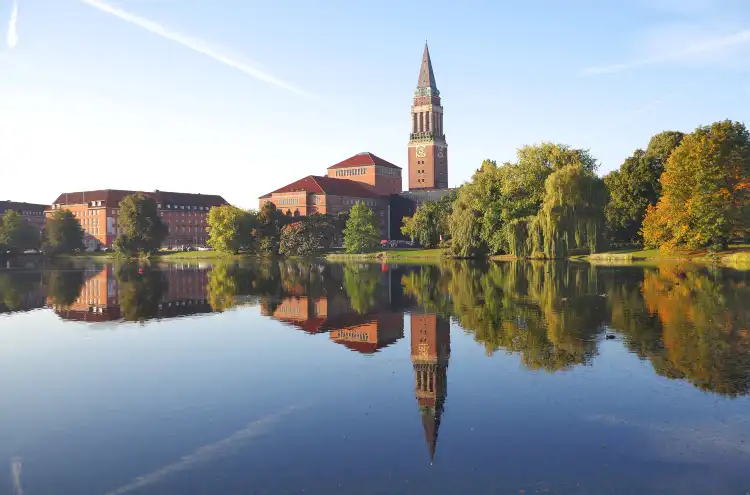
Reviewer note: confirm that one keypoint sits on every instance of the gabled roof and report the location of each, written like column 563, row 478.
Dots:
column 316, row 184
column 426, row 76
column 362, row 160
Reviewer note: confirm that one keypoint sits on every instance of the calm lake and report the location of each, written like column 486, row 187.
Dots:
column 357, row 378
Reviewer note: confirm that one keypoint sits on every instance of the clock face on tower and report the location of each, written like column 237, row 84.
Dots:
column 421, row 152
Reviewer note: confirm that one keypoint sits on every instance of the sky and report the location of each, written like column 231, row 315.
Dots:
column 241, row 97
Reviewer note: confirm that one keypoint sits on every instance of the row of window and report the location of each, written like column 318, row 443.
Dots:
column 350, row 201
column 393, row 172
column 350, row 171
column 183, row 207
column 289, row 201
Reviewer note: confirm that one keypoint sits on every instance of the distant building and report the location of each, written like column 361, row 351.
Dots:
column 97, row 211
column 363, row 177
column 32, row 213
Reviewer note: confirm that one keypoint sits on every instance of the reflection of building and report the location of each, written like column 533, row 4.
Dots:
column 184, row 214
column 369, row 333
column 99, row 299
column 365, row 333
column 430, row 352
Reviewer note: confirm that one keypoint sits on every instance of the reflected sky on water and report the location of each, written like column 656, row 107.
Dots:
column 365, row 378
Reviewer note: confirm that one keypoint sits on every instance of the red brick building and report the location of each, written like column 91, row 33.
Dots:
column 34, row 214
column 363, row 177
column 97, row 211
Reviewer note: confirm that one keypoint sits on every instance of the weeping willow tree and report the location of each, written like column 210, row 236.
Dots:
column 572, row 213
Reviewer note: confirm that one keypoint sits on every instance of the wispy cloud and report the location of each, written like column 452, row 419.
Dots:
column 12, row 38
column 16, row 467
column 196, row 45
column 688, row 51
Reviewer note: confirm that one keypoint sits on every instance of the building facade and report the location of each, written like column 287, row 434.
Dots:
column 428, row 150
column 184, row 214
column 32, row 213
column 361, row 178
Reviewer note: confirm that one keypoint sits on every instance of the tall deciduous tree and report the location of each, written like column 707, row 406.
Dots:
column 429, row 224
column 62, row 233
column 230, row 228
column 142, row 230
column 361, row 231
column 635, row 186
column 16, row 234
column 705, row 190
column 572, row 213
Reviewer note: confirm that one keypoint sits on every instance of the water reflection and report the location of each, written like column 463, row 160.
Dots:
column 691, row 323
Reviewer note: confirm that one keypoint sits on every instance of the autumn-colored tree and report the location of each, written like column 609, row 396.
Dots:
column 705, row 191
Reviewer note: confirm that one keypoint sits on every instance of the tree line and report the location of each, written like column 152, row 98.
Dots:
column 682, row 191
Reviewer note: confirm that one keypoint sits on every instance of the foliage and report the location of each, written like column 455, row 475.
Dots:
column 361, row 232
column 635, row 186
column 429, row 224
column 230, row 228
column 572, row 214
column 142, row 230
column 62, row 233
column 309, row 235
column 361, row 285
column 16, row 234
column 267, row 234
column 706, row 191
column 495, row 211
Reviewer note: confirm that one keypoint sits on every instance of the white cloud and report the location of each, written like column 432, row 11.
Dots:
column 196, row 45
column 683, row 45
column 12, row 38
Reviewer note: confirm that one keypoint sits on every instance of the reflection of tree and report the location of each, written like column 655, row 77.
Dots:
column 705, row 326
column 16, row 288
column 361, row 284
column 141, row 290
column 64, row 286
column 550, row 313
column 222, row 288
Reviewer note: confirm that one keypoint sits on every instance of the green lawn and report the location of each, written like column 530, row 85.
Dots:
column 737, row 253
column 392, row 254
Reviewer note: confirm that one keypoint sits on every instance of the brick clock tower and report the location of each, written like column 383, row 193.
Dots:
column 428, row 151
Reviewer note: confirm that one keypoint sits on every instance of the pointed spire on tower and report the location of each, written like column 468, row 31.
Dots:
column 431, row 422
column 426, row 76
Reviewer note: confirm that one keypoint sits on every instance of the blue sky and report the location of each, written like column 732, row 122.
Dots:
column 239, row 97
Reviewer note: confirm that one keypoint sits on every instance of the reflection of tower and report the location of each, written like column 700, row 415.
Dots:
column 430, row 352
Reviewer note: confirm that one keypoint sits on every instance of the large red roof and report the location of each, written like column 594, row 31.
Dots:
column 327, row 185
column 363, row 159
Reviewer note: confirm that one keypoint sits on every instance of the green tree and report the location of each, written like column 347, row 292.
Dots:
column 361, row 231
column 16, row 234
column 635, row 186
column 62, row 233
column 268, row 230
column 142, row 230
column 705, row 190
column 309, row 235
column 572, row 213
column 496, row 211
column 230, row 228
column 429, row 224
column 63, row 286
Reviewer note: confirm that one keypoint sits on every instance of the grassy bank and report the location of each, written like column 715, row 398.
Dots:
column 389, row 255
column 737, row 254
